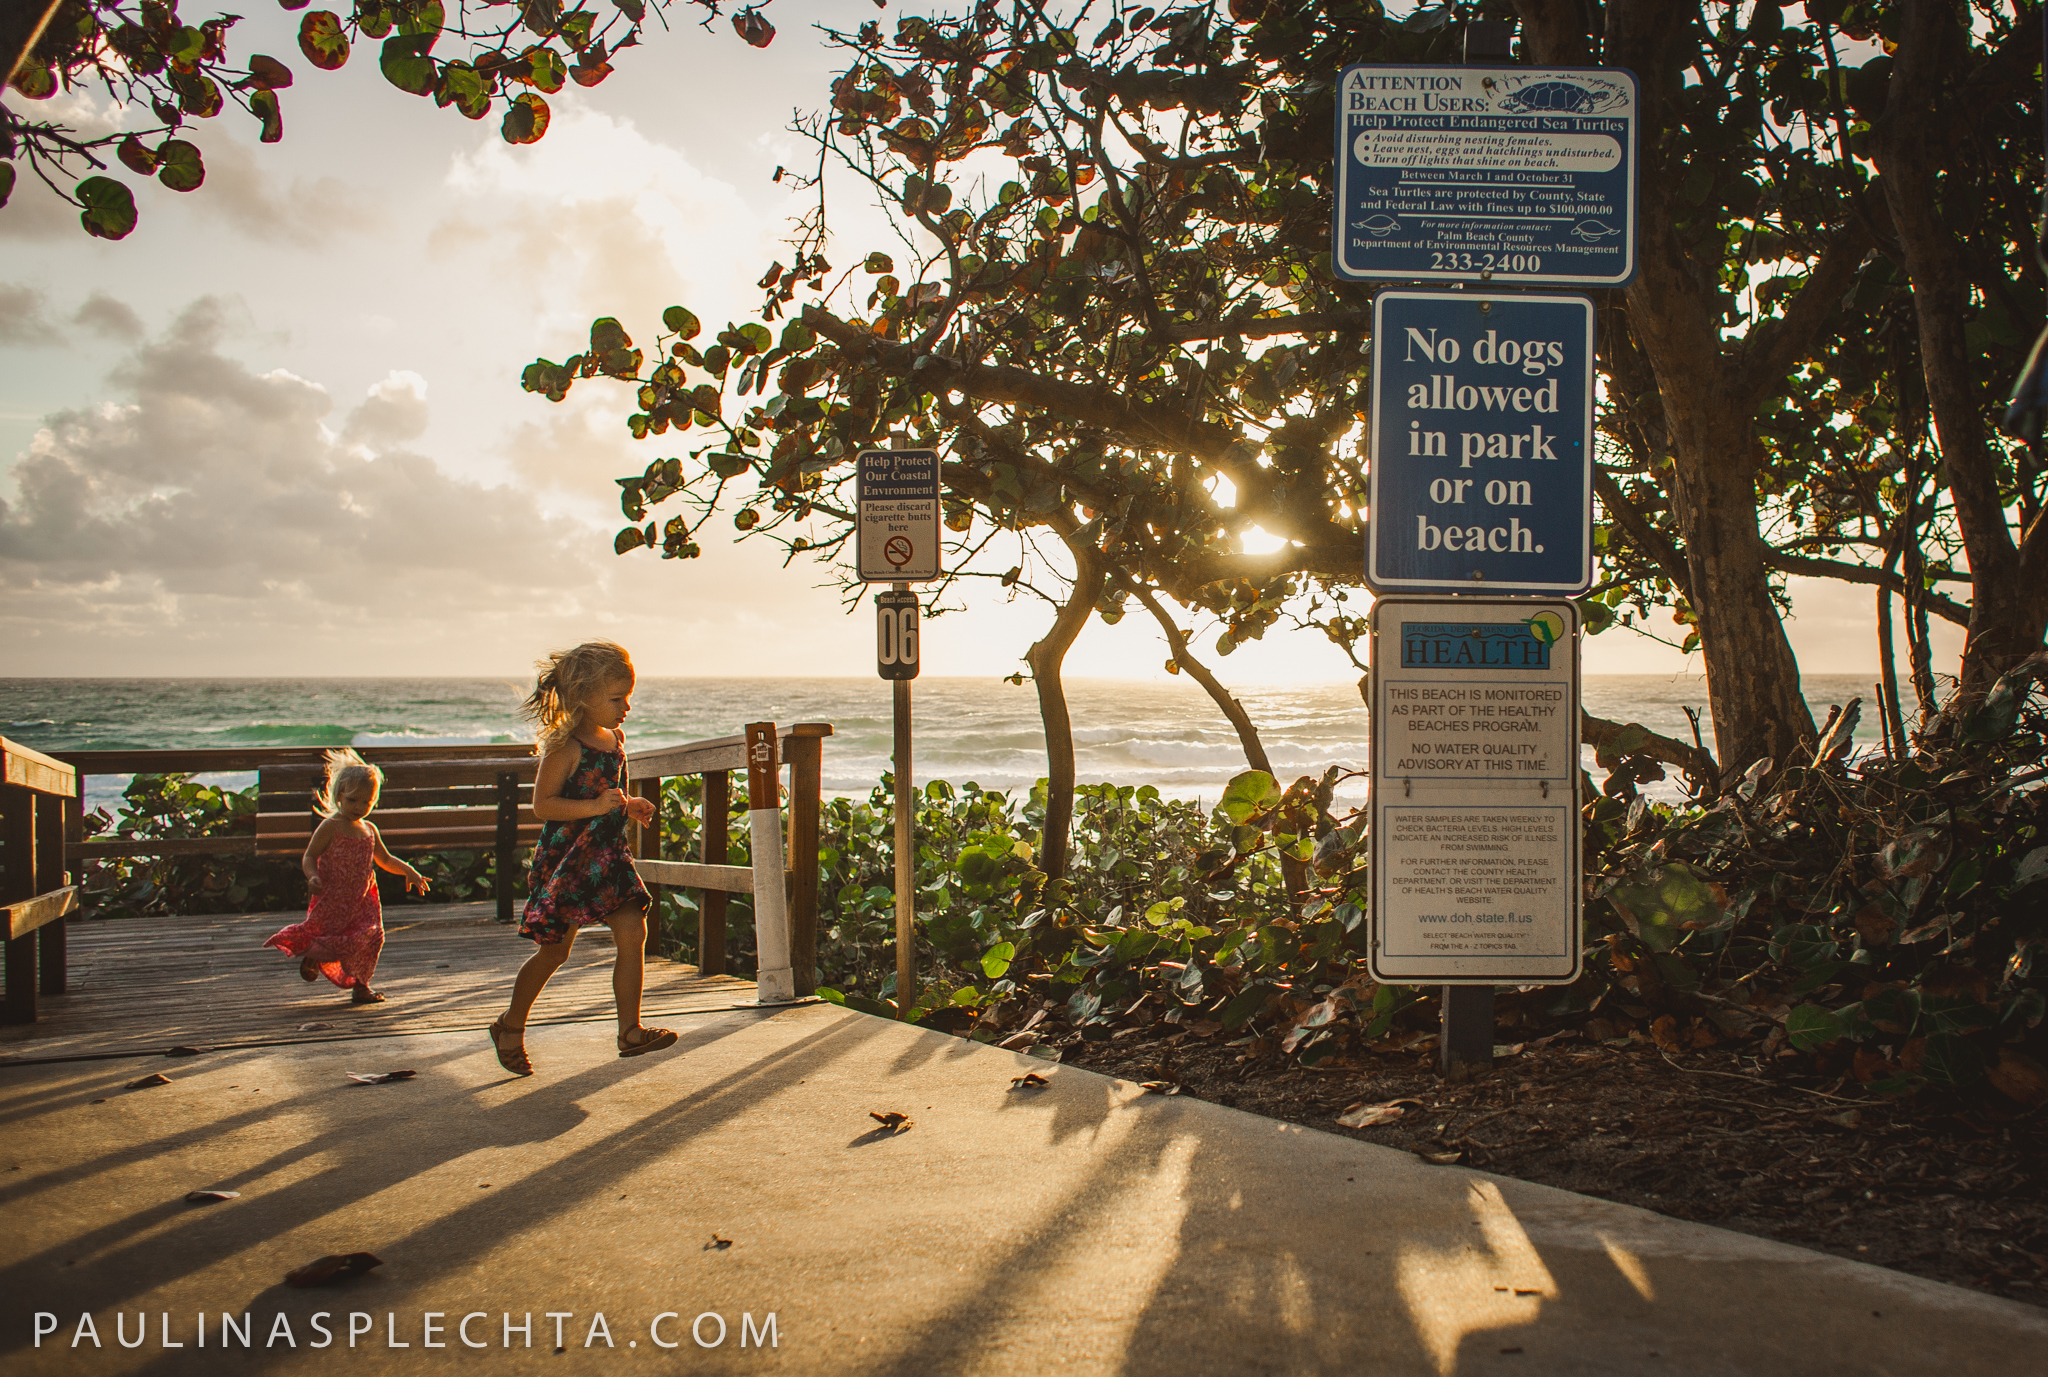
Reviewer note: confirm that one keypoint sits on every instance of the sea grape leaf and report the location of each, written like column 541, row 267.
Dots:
column 1247, row 794
column 545, row 68
column 179, row 165
column 2032, row 866
column 405, row 64
column 1809, row 1026
column 754, row 27
column 526, row 119
column 628, row 539
column 996, row 960
column 135, row 157
column 268, row 74
column 322, row 41
column 265, row 107
column 679, row 321
column 109, row 207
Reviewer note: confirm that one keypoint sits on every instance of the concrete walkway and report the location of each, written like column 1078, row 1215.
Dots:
column 1084, row 1227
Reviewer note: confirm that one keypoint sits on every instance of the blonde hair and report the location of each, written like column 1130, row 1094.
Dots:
column 345, row 770
column 569, row 679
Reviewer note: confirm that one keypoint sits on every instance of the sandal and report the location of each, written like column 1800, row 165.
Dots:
column 514, row 1060
column 363, row 994
column 649, row 1040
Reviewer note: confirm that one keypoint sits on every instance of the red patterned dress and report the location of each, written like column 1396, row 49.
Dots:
column 344, row 928
column 582, row 871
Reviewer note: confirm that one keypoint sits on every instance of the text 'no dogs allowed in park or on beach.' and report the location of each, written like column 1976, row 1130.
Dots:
column 1509, row 175
column 897, row 510
column 1482, row 443
column 1474, row 767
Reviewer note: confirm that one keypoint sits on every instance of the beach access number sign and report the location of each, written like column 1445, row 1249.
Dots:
column 1482, row 443
column 1474, row 784
column 896, row 617
column 897, row 515
column 1512, row 175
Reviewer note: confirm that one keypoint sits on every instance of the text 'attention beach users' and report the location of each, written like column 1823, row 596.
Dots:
column 344, row 927
column 582, row 870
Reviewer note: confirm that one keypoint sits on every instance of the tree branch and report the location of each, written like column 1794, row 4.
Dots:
column 1772, row 348
column 1943, row 606
column 1658, row 547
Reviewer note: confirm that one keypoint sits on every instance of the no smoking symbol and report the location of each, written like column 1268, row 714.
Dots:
column 898, row 550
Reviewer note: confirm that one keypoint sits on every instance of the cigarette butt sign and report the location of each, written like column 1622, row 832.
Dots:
column 897, row 514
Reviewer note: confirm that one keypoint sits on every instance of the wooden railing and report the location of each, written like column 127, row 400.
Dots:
column 480, row 798
column 35, row 890
column 802, row 749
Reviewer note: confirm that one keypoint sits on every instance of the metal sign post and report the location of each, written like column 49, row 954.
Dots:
column 1474, row 801
column 1482, row 443
column 1511, row 175
column 897, row 540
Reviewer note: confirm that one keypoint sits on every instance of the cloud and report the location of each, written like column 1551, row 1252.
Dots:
column 599, row 219
column 394, row 412
column 105, row 316
column 209, row 517
column 23, row 317
column 215, row 496
column 246, row 192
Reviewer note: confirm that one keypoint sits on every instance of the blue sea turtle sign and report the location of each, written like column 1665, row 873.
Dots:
column 1506, row 175
column 1482, row 437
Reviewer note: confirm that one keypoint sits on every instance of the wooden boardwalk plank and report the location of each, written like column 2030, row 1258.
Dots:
column 143, row 985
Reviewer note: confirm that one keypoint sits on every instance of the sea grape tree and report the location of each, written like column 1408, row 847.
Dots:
column 477, row 57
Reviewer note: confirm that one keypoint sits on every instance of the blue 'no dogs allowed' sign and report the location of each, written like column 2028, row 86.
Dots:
column 1482, row 440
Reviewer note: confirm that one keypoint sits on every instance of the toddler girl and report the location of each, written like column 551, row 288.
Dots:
column 582, row 871
column 344, row 927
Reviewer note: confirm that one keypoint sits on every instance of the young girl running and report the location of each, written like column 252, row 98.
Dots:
column 344, row 927
column 582, row 871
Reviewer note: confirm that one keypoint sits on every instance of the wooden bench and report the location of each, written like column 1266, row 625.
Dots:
column 435, row 798
column 36, row 892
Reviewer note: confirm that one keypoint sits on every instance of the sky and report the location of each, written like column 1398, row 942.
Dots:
column 278, row 429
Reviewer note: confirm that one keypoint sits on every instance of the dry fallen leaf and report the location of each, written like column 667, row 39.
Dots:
column 1441, row 1159
column 333, row 1267
column 1159, row 1087
column 210, row 1197
column 153, row 1078
column 1367, row 1115
column 1030, row 1080
column 894, row 1122
column 1017, row 1042
column 314, row 1027
column 183, row 1051
column 380, row 1077
column 717, row 1244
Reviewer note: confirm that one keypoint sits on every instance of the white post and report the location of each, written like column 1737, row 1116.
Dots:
column 773, row 980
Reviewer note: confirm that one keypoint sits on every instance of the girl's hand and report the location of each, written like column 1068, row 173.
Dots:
column 640, row 810
column 313, row 884
column 416, row 882
column 611, row 799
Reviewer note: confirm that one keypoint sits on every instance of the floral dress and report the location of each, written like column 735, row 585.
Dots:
column 582, row 871
column 344, row 928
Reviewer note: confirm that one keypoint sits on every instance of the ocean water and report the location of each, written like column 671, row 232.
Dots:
column 1163, row 733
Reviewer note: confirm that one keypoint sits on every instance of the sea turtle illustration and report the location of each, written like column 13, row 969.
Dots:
column 1380, row 226
column 1557, row 98
column 1592, row 231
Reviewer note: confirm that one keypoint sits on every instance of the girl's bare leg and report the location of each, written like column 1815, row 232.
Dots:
column 629, row 966
column 547, row 958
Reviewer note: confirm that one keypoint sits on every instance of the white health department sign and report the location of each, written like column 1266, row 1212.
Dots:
column 1475, row 761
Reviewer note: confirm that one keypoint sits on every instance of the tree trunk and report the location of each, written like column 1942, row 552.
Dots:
column 1226, row 702
column 2008, row 581
column 1674, row 316
column 1045, row 658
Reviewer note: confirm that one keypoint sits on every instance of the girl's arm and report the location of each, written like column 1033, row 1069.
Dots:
column 318, row 843
column 384, row 860
column 639, row 809
column 550, row 779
